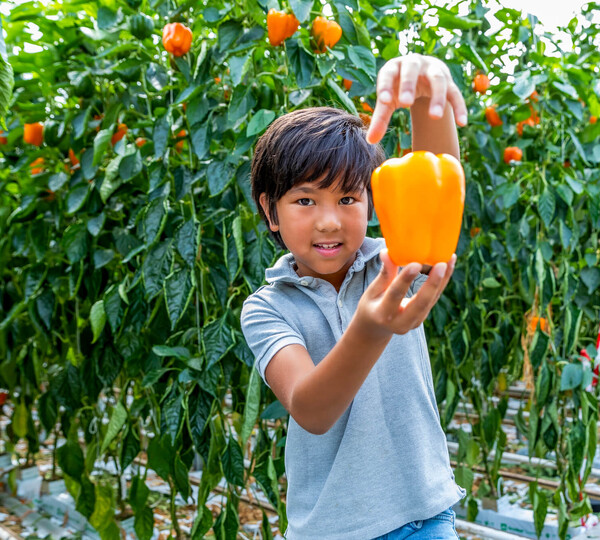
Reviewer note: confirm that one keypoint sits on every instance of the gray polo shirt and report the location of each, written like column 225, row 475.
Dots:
column 385, row 462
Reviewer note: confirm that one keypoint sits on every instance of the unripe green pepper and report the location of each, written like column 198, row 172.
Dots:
column 141, row 26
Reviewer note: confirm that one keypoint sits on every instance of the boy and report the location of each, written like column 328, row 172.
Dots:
column 337, row 332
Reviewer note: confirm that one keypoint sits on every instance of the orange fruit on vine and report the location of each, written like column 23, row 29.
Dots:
column 326, row 33
column 177, row 38
column 120, row 133
column 481, row 83
column 37, row 166
column 512, row 153
column 492, row 117
column 33, row 134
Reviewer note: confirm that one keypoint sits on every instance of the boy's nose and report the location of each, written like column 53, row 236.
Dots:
column 328, row 220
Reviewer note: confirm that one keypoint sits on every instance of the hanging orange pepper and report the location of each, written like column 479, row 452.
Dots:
column 280, row 26
column 37, row 166
column 33, row 134
column 326, row 33
column 492, row 117
column 481, row 83
column 419, row 200
column 177, row 38
column 119, row 134
column 3, row 137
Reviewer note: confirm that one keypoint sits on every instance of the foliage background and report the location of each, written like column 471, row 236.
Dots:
column 123, row 271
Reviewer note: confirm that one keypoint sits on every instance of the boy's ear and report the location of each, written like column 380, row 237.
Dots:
column 265, row 206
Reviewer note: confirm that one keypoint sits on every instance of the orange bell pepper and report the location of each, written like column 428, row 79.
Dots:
column 419, row 200
column 326, row 33
column 280, row 26
column 177, row 38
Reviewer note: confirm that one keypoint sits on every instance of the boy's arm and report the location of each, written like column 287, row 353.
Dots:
column 316, row 396
column 437, row 135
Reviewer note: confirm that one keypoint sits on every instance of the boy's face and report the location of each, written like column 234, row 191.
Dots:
column 322, row 227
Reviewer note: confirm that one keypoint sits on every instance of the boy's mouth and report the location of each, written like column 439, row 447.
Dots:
column 328, row 246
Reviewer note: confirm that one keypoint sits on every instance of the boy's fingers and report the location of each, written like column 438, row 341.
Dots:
column 420, row 305
column 387, row 81
column 396, row 292
column 385, row 276
column 438, row 83
column 458, row 104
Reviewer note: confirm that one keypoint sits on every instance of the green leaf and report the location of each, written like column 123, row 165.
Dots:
column 202, row 524
column 259, row 122
column 138, row 493
column 571, row 377
column 464, row 477
column 547, row 206
column 342, row 96
column 143, row 523
column 301, row 9
column 70, row 459
column 87, row 497
column 97, row 319
column 200, row 140
column 251, row 406
column 181, row 353
column 77, row 197
column 239, row 66
column 577, row 145
column 58, row 180
column 181, row 477
column 219, row 174
column 233, row 463
column 130, row 166
column 130, row 448
column 539, row 347
column 104, row 510
column 217, row 339
column 159, row 458
column 447, row 19
column 157, row 76
column 491, row 283
column 363, row 59
column 274, row 411
column 6, row 77
column 111, row 181
column 185, row 241
column 524, row 85
column 178, row 293
column 160, row 136
column 101, row 144
column 156, row 267
column 74, row 242
column 591, row 278
column 19, row 420
column 116, row 423
column 301, row 62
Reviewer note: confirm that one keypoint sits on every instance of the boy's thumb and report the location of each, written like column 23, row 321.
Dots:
column 387, row 274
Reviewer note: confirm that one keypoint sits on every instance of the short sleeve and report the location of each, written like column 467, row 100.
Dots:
column 266, row 332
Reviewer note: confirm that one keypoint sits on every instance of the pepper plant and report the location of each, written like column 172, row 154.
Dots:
column 127, row 250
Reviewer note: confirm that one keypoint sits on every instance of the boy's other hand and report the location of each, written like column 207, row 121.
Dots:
column 403, row 80
column 384, row 308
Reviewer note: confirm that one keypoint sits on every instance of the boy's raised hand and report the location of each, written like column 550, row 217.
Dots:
column 384, row 309
column 405, row 79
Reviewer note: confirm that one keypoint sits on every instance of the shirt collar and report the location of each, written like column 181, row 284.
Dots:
column 283, row 270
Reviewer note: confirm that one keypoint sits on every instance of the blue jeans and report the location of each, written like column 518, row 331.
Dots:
column 440, row 527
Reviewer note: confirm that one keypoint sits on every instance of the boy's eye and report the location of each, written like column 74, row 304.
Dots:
column 304, row 202
column 347, row 200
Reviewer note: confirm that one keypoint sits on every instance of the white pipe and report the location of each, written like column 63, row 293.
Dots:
column 484, row 532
